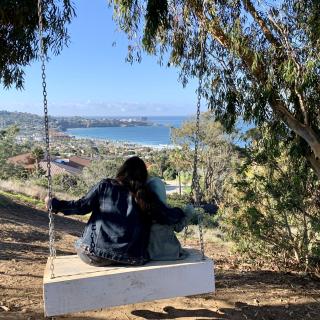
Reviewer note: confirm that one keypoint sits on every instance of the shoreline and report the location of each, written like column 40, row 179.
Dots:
column 123, row 143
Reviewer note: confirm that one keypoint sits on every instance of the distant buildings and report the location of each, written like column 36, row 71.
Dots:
column 58, row 136
column 73, row 165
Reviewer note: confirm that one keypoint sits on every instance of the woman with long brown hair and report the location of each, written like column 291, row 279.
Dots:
column 122, row 212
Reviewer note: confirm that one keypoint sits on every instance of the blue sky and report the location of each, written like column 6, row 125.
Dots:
column 91, row 76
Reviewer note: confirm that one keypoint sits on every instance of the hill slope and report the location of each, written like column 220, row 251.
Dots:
column 241, row 293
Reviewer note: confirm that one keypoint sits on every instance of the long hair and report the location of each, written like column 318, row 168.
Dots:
column 133, row 174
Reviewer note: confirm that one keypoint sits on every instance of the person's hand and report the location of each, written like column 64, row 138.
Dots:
column 48, row 202
column 189, row 211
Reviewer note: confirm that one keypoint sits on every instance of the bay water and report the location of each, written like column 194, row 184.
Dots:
column 157, row 134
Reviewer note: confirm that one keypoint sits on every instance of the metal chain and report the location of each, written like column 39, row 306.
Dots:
column 52, row 248
column 195, row 185
column 92, row 243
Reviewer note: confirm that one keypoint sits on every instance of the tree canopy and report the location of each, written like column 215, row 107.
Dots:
column 271, row 209
column 216, row 158
column 261, row 59
column 19, row 34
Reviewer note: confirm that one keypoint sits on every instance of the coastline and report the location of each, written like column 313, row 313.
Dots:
column 123, row 143
column 155, row 137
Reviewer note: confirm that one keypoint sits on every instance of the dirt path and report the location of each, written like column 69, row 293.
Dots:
column 242, row 293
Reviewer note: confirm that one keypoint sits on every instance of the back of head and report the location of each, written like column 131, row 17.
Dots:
column 133, row 174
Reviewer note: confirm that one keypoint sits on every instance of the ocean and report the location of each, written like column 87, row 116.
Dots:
column 155, row 135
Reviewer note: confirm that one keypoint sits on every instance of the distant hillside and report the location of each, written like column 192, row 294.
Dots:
column 32, row 123
column 19, row 118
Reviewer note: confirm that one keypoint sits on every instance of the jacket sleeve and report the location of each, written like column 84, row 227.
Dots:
column 166, row 215
column 79, row 207
column 188, row 213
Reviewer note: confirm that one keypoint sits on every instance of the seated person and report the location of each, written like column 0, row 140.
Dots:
column 123, row 210
column 163, row 243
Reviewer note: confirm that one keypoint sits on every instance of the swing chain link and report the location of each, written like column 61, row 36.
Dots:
column 92, row 248
column 52, row 248
column 195, row 185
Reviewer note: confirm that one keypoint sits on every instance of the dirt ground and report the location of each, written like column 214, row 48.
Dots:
column 242, row 291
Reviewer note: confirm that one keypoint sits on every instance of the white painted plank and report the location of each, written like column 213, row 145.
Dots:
column 79, row 287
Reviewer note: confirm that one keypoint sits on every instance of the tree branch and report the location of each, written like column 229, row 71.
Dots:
column 258, row 70
column 315, row 163
column 302, row 130
column 292, row 54
column 261, row 22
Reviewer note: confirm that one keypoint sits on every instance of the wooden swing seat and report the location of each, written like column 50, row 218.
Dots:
column 80, row 287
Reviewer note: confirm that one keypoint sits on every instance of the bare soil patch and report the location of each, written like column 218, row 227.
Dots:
column 243, row 292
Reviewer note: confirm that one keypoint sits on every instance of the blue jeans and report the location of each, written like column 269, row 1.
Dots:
column 90, row 259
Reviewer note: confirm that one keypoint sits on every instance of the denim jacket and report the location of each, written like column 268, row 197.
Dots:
column 115, row 229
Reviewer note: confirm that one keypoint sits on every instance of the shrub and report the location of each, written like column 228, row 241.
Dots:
column 170, row 174
column 272, row 210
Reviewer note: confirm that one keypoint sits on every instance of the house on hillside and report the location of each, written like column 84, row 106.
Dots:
column 25, row 160
column 74, row 165
column 80, row 162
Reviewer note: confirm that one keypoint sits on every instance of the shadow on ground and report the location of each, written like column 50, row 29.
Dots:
column 240, row 312
column 11, row 213
column 27, row 231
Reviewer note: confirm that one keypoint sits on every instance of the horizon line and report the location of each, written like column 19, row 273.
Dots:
column 93, row 116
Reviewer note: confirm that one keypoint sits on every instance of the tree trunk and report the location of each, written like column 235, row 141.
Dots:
column 315, row 164
column 258, row 71
column 179, row 176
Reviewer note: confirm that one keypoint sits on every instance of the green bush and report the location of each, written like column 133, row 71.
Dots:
column 65, row 183
column 170, row 174
column 272, row 211
column 176, row 200
column 9, row 171
column 208, row 221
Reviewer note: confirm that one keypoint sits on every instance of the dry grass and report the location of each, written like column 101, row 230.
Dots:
column 209, row 235
column 28, row 188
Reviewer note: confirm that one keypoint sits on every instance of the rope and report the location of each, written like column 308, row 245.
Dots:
column 47, row 140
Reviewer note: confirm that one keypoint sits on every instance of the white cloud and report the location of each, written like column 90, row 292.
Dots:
column 103, row 108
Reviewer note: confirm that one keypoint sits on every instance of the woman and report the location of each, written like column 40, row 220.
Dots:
column 122, row 212
column 163, row 242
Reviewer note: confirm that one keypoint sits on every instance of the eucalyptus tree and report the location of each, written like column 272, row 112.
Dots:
column 261, row 59
column 217, row 155
column 19, row 34
column 37, row 154
column 181, row 161
column 271, row 209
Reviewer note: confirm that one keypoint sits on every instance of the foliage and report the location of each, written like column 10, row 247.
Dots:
column 158, row 163
column 170, row 174
column 216, row 155
column 65, row 183
column 38, row 154
column 19, row 34
column 272, row 208
column 97, row 171
column 262, row 60
column 181, row 201
column 9, row 170
column 180, row 161
column 176, row 200
column 9, row 148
